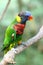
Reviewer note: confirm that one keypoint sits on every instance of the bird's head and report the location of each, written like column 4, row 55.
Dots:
column 23, row 17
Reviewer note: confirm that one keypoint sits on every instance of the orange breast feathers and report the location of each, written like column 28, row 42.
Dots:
column 19, row 28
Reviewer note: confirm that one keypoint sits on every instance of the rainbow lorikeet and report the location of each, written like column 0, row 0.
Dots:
column 14, row 32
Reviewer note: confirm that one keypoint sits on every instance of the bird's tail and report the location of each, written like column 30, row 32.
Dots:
column 1, row 49
column 4, row 50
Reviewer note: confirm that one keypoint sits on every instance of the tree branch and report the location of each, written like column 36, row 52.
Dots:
column 9, row 57
column 3, row 13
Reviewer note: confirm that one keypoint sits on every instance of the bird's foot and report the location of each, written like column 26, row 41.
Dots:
column 23, row 43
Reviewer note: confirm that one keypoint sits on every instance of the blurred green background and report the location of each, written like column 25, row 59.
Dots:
column 34, row 54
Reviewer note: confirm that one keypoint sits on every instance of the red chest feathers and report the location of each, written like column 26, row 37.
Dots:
column 19, row 28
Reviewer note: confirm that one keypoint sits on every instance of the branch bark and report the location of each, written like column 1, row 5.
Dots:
column 9, row 57
column 3, row 13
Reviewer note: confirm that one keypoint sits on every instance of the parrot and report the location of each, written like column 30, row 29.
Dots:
column 14, row 32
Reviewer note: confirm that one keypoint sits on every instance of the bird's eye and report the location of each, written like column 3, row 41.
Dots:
column 22, row 17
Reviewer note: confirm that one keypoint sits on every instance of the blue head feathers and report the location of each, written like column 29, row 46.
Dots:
column 27, row 13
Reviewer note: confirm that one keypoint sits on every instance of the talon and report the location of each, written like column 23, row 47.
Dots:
column 23, row 43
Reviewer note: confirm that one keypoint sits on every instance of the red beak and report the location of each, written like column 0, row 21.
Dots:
column 30, row 18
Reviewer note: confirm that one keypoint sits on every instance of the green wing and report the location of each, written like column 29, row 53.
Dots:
column 8, row 37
